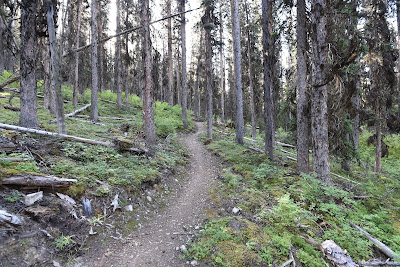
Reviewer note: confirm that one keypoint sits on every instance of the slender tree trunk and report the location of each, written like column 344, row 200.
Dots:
column 101, row 51
column 302, row 100
column 267, row 82
column 196, row 85
column 222, row 62
column 2, row 45
column 398, row 60
column 272, row 61
column 28, row 116
column 127, row 65
column 319, row 95
column 118, row 58
column 237, row 56
column 55, row 66
column 207, row 22
column 251, row 76
column 49, row 93
column 76, row 77
column 148, row 112
column 356, row 101
column 184, row 75
column 170, row 61
column 178, row 79
column 64, row 19
column 378, row 133
column 94, row 112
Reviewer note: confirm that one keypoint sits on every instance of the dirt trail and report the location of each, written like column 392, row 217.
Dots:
column 155, row 243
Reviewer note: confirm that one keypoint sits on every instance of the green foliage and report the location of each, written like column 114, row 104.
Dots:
column 64, row 242
column 14, row 196
column 5, row 76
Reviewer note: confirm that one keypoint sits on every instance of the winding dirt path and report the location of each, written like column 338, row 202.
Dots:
column 156, row 242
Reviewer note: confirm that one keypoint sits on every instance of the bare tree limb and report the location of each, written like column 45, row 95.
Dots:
column 4, row 84
column 73, row 113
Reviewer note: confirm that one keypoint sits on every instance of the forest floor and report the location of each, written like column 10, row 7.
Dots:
column 160, row 240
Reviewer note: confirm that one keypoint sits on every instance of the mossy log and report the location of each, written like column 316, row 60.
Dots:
column 37, row 180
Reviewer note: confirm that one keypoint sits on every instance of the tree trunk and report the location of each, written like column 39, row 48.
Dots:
column 76, row 77
column 2, row 44
column 207, row 22
column 222, row 62
column 170, row 66
column 267, row 81
column 398, row 60
column 148, row 111
column 184, row 75
column 178, row 79
column 101, row 50
column 378, row 133
column 237, row 56
column 55, row 66
column 94, row 112
column 356, row 101
column 196, row 108
column 251, row 76
column 28, row 116
column 302, row 99
column 49, row 93
column 118, row 62
column 319, row 94
column 127, row 63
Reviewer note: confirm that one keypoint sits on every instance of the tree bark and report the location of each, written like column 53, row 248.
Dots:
column 237, row 56
column 148, row 111
column 356, row 101
column 170, row 60
column 302, row 99
column 94, row 112
column 208, row 24
column 55, row 66
column 378, row 133
column 32, row 180
column 118, row 58
column 184, row 74
column 319, row 94
column 267, row 81
column 49, row 92
column 222, row 62
column 196, row 108
column 28, row 116
column 178, row 78
column 76, row 77
column 2, row 44
column 251, row 76
column 398, row 60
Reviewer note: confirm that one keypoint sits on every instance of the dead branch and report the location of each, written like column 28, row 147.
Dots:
column 106, row 118
column 36, row 180
column 382, row 247
column 15, row 159
column 11, row 108
column 74, row 113
column 88, row 121
column 379, row 263
column 4, row 84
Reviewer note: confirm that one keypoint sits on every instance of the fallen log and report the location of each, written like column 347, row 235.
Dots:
column 4, row 84
column 106, row 118
column 15, row 159
column 36, row 180
column 71, row 138
column 382, row 247
column 73, row 113
column 42, row 97
column 11, row 108
column 379, row 263
column 88, row 121
column 336, row 255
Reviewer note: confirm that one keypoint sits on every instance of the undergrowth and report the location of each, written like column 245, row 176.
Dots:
column 288, row 212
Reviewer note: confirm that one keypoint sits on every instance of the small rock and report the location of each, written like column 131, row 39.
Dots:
column 177, row 248
column 9, row 218
column 56, row 264
column 149, row 198
column 196, row 227
column 32, row 198
column 114, row 203
column 87, row 206
column 194, row 263
column 236, row 210
column 129, row 208
column 182, row 248
column 66, row 198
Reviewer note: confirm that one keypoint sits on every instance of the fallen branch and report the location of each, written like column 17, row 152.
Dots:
column 15, row 159
column 336, row 255
column 42, row 97
column 285, row 145
column 379, row 263
column 88, row 121
column 11, row 108
column 71, row 138
column 73, row 113
column 35, row 180
column 106, row 118
column 382, row 247
column 4, row 84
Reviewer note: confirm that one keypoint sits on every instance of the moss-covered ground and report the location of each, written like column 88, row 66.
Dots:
column 284, row 213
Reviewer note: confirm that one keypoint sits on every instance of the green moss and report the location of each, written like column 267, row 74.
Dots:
column 76, row 189
column 236, row 254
